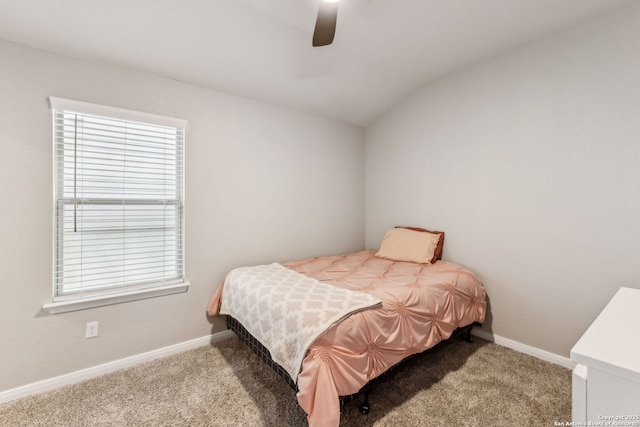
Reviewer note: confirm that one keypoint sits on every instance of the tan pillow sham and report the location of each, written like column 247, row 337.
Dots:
column 403, row 244
column 438, row 254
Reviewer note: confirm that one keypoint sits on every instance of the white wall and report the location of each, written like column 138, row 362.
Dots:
column 530, row 163
column 263, row 184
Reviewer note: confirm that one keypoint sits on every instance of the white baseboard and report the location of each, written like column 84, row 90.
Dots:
column 524, row 348
column 105, row 368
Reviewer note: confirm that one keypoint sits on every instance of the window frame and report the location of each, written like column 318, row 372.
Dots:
column 112, row 295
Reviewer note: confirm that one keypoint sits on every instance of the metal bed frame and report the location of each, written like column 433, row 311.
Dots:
column 264, row 354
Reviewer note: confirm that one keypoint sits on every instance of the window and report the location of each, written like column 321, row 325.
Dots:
column 119, row 205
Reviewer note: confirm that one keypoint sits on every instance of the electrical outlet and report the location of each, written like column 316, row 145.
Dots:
column 92, row 329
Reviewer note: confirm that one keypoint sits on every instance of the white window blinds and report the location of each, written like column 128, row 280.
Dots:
column 118, row 200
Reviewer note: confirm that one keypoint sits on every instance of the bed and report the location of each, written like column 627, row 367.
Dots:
column 407, row 307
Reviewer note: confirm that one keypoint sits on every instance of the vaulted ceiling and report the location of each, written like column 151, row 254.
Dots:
column 261, row 49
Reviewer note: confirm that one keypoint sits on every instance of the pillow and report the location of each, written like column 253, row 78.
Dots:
column 438, row 254
column 403, row 244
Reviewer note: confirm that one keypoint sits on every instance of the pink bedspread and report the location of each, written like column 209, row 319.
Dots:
column 421, row 306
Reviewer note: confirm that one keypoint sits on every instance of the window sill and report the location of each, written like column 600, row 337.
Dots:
column 117, row 298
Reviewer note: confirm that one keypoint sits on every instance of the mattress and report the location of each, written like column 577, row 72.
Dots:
column 421, row 306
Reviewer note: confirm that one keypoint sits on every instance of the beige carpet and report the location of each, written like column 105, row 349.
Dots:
column 455, row 384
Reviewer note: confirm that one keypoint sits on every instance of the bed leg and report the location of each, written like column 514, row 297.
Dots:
column 467, row 334
column 364, row 407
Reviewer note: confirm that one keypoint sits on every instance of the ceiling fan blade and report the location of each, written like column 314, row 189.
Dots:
column 326, row 24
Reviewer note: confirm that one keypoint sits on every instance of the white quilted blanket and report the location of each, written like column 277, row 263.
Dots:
column 285, row 310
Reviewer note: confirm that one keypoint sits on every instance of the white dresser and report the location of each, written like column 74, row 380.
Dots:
column 606, row 381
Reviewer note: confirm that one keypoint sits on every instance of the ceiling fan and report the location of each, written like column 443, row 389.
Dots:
column 326, row 23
